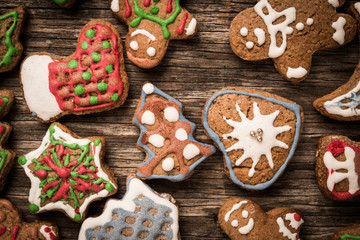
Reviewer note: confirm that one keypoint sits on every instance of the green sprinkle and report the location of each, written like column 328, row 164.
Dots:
column 97, row 142
column 98, row 181
column 86, row 76
column 84, row 45
column 73, row 64
column 96, row 56
column 33, row 208
column 102, row 86
column 22, row 160
column 109, row 68
column 114, row 97
column 75, row 153
column 109, row 187
column 72, row 181
column 92, row 168
column 90, row 33
column 44, row 153
column 79, row 89
column 154, row 10
column 81, row 195
column 77, row 217
column 106, row 44
column 94, row 100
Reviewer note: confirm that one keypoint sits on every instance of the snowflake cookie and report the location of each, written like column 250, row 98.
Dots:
column 13, row 227
column 167, row 137
column 334, row 154
column 152, row 24
column 93, row 79
column 243, row 219
column 351, row 232
column 290, row 32
column 256, row 131
column 141, row 214
column 67, row 173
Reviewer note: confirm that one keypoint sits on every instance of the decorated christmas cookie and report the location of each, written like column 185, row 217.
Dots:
column 11, row 49
column 167, row 137
column 242, row 219
column 338, row 167
column 141, row 214
column 351, row 232
column 93, row 79
column 12, row 227
column 256, row 131
column 290, row 32
column 67, row 173
column 65, row 3
column 152, row 24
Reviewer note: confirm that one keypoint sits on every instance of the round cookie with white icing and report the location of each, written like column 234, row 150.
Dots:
column 256, row 131
column 290, row 32
column 167, row 137
column 243, row 219
column 152, row 24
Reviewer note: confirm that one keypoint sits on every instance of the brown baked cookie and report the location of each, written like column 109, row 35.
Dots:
column 350, row 232
column 67, row 173
column 13, row 227
column 65, row 3
column 6, row 102
column 334, row 155
column 256, row 131
column 93, row 79
column 243, row 219
column 11, row 49
column 290, row 32
column 152, row 24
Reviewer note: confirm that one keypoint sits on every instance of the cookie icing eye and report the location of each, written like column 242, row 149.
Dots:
column 134, row 45
column 151, row 51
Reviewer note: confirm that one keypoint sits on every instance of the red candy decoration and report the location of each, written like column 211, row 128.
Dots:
column 2, row 230
column 128, row 9
column 1, row 102
column 169, row 7
column 297, row 217
column 2, row 129
column 47, row 230
column 146, row 3
column 41, row 173
column 180, row 29
column 14, row 232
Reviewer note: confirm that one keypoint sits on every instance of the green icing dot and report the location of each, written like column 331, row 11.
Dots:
column 114, row 97
column 77, row 217
column 102, row 86
column 106, row 44
column 22, row 160
column 154, row 10
column 33, row 208
column 90, row 33
column 84, row 45
column 73, row 64
column 97, row 142
column 86, row 76
column 109, row 187
column 94, row 100
column 74, row 153
column 79, row 89
column 96, row 56
column 109, row 68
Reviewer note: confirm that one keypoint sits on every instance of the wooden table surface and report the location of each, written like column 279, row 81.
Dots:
column 191, row 71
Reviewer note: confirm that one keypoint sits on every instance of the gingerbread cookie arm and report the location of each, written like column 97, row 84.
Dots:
column 184, row 27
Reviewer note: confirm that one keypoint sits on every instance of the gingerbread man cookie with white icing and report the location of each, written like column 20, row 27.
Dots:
column 290, row 32
column 152, row 24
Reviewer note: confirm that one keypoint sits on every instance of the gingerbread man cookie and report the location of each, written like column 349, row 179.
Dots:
column 13, row 227
column 290, row 32
column 167, row 137
column 93, row 79
column 67, row 173
column 351, row 232
column 243, row 219
column 141, row 214
column 152, row 24
column 65, row 3
column 11, row 48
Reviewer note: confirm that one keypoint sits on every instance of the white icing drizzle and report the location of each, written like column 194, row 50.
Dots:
column 143, row 32
column 247, row 228
column 191, row 151
column 300, row 26
column 309, row 21
column 168, row 164
column 151, row 51
column 148, row 88
column 171, row 114
column 293, row 223
column 335, row 177
column 284, row 230
column 115, row 6
column 334, row 3
column 181, row 134
column 339, row 35
column 250, row 45
column 46, row 234
column 148, row 118
column 190, row 30
column 260, row 35
column 283, row 27
column 244, row 31
column 299, row 72
column 357, row 6
column 134, row 45
column 245, row 214
column 157, row 140
column 233, row 209
column 253, row 148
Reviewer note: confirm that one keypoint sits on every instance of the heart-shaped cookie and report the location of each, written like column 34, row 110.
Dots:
column 256, row 131
column 243, row 219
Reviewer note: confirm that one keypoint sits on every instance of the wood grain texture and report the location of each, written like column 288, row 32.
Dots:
column 191, row 71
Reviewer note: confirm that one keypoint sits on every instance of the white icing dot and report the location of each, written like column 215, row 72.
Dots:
column 260, row 34
column 148, row 88
column 181, row 134
column 245, row 214
column 310, row 21
column 244, row 31
column 151, row 51
column 300, row 26
column 357, row 6
column 191, row 151
column 234, row 223
column 157, row 140
column 250, row 45
column 134, row 45
column 148, row 118
column 299, row 72
column 334, row 3
column 171, row 114
column 168, row 164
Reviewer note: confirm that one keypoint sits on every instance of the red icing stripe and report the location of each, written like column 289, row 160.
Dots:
column 169, row 7
column 128, row 9
column 180, row 29
column 146, row 3
column 2, row 230
column 14, row 232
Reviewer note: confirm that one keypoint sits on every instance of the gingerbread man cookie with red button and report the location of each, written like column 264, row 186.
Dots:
column 93, row 79
column 290, row 32
column 152, row 24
